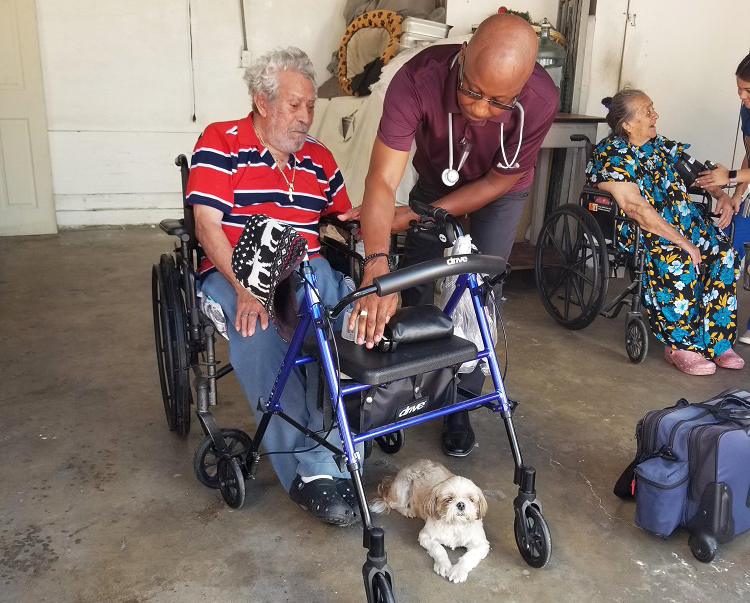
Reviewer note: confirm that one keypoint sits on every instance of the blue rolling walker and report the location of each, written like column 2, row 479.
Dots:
column 235, row 456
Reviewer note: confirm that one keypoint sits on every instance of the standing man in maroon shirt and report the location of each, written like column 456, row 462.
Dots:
column 478, row 113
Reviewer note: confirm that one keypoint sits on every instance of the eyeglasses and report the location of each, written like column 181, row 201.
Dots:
column 476, row 96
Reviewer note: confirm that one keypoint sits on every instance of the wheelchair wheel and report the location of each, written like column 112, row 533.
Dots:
column 206, row 458
column 571, row 266
column 391, row 443
column 636, row 340
column 537, row 549
column 231, row 482
column 382, row 590
column 170, row 332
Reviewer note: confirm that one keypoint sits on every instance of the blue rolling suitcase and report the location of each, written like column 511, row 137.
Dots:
column 692, row 469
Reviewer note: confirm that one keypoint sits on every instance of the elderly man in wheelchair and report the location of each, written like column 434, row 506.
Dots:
column 685, row 267
column 266, row 164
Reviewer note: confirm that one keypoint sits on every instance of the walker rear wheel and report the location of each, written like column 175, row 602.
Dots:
column 391, row 443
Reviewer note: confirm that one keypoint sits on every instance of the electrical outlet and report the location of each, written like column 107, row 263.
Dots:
column 246, row 59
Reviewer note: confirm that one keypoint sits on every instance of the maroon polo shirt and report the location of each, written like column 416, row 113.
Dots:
column 416, row 107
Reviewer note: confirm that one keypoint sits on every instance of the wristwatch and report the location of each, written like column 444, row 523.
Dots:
column 732, row 176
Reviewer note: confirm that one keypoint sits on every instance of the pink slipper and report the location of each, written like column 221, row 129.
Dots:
column 690, row 363
column 729, row 360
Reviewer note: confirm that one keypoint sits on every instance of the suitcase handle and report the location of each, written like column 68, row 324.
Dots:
column 731, row 414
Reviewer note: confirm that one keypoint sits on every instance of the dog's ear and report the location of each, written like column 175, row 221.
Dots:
column 384, row 487
column 430, row 503
column 482, row 504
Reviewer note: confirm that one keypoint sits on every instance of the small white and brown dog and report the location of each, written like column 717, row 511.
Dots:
column 451, row 506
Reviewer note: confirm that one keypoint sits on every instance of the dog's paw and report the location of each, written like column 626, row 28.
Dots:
column 458, row 574
column 443, row 568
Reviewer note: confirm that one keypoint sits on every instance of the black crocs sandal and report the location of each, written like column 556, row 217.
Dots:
column 321, row 499
column 346, row 490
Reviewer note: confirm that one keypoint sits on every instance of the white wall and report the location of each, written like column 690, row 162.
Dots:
column 462, row 14
column 120, row 91
column 684, row 57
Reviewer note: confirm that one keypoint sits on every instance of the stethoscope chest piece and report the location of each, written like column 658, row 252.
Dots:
column 450, row 176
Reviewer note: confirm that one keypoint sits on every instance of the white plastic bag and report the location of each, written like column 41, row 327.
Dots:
column 464, row 318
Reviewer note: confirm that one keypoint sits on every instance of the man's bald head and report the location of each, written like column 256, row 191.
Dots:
column 501, row 56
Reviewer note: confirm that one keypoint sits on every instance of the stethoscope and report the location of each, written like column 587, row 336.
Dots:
column 449, row 175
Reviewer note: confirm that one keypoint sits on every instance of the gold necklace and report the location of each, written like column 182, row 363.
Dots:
column 290, row 191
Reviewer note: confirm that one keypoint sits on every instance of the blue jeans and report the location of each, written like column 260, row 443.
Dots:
column 256, row 361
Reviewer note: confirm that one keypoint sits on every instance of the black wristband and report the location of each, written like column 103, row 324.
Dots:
column 372, row 256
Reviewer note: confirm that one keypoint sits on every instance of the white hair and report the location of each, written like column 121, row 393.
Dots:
column 262, row 77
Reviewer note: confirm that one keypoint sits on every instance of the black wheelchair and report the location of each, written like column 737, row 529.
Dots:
column 185, row 336
column 579, row 249
column 227, row 458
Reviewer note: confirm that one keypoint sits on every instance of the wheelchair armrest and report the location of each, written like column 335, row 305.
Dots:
column 350, row 226
column 432, row 270
column 176, row 228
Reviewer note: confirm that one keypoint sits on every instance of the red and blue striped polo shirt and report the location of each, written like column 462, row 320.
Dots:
column 234, row 173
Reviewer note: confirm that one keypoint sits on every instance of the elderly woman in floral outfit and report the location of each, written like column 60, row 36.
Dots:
column 691, row 268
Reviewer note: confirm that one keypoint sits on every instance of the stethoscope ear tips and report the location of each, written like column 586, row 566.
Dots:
column 450, row 177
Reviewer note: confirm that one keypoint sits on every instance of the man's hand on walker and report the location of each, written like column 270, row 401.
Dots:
column 372, row 311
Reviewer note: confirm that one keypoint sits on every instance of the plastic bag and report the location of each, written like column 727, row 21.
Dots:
column 464, row 318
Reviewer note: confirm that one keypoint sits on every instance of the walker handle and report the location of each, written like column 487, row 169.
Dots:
column 433, row 270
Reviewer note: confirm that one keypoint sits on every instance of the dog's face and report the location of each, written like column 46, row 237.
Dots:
column 456, row 500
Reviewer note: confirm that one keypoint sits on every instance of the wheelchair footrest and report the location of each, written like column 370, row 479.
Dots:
column 373, row 367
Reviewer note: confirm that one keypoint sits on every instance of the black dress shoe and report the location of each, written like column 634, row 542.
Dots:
column 458, row 436
column 322, row 499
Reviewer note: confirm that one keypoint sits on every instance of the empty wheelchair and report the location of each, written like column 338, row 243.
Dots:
column 579, row 248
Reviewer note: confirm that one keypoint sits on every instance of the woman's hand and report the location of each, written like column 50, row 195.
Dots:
column 717, row 177
column 694, row 252
column 726, row 208
column 249, row 310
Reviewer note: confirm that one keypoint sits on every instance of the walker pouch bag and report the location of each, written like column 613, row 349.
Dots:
column 711, row 439
column 390, row 402
column 415, row 324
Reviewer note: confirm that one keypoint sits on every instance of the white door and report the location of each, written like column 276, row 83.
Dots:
column 27, row 204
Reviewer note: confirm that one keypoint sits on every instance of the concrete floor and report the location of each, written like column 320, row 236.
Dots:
column 99, row 502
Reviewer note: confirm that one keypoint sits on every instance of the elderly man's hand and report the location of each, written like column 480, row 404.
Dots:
column 249, row 310
column 372, row 311
column 350, row 214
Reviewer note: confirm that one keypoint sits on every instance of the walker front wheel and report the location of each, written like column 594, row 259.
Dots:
column 381, row 589
column 535, row 546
